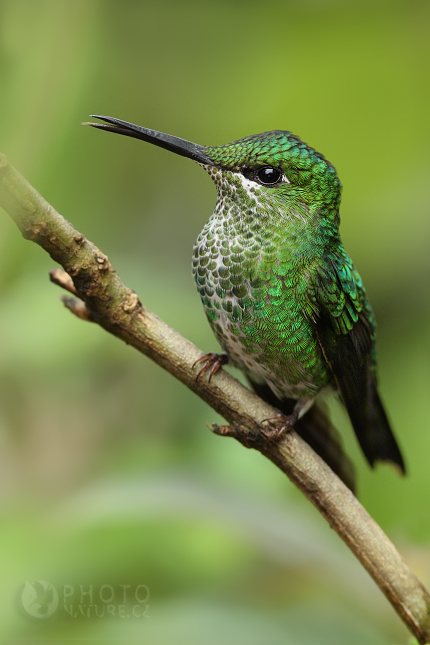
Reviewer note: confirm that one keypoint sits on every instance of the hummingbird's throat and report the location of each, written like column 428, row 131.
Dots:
column 233, row 185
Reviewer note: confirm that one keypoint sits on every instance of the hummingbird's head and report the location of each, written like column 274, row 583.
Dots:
column 280, row 166
column 275, row 168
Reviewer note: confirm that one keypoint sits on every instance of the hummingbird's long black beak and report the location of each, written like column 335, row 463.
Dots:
column 179, row 146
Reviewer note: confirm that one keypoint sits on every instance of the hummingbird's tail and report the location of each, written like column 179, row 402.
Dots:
column 317, row 430
column 373, row 431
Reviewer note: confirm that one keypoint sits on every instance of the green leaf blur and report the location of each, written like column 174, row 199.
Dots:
column 109, row 476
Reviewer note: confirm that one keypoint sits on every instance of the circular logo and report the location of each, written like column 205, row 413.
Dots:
column 38, row 599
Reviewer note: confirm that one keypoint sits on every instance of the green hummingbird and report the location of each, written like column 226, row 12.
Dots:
column 280, row 293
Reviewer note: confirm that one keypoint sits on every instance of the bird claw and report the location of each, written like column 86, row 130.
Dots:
column 288, row 423
column 213, row 361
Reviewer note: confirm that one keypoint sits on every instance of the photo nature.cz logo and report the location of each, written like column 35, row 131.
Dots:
column 40, row 600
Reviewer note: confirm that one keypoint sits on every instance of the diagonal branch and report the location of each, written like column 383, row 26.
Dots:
column 104, row 299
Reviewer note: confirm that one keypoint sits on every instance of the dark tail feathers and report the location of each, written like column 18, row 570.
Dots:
column 374, row 433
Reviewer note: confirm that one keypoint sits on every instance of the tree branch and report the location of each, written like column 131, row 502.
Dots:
column 103, row 298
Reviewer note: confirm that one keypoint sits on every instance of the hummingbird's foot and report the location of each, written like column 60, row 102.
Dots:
column 287, row 422
column 213, row 361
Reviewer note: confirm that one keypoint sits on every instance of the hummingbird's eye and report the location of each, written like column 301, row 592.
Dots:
column 268, row 176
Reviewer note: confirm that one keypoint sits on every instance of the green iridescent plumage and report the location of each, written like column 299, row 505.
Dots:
column 280, row 292
column 258, row 259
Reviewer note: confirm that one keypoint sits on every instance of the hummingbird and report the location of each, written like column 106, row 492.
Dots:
column 280, row 292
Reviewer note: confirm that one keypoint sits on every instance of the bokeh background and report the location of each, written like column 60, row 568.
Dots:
column 109, row 477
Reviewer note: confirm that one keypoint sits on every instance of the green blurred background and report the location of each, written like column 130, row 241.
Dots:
column 108, row 473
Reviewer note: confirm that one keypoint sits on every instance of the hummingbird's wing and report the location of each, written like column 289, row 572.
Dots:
column 345, row 329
